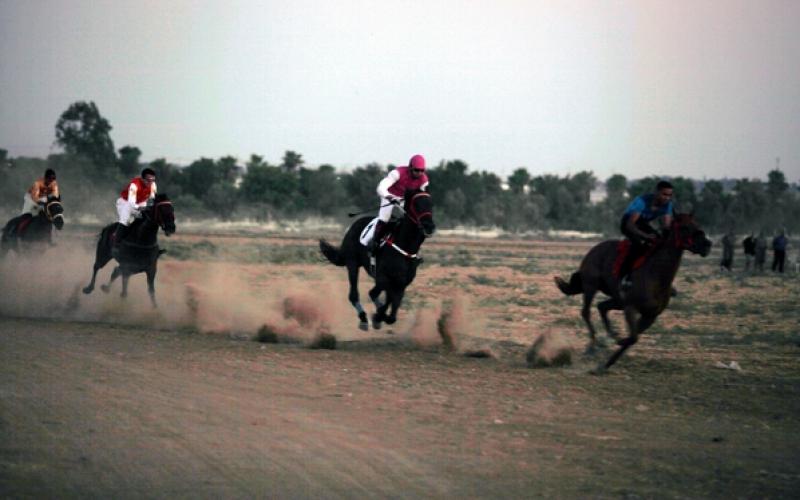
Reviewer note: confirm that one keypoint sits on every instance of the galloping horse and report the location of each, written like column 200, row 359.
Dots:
column 396, row 262
column 651, row 283
column 33, row 229
column 139, row 251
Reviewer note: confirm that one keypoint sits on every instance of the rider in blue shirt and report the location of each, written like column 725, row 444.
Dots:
column 636, row 226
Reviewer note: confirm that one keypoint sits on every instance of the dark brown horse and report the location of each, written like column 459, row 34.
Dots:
column 651, row 283
column 28, row 229
column 138, row 252
column 397, row 261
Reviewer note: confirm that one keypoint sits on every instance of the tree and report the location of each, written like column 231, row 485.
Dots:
column 518, row 181
column 361, row 184
column 81, row 130
column 128, row 161
column 292, row 161
column 274, row 186
column 776, row 185
column 322, row 190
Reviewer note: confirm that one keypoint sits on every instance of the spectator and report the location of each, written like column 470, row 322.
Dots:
column 749, row 245
column 779, row 252
column 727, row 251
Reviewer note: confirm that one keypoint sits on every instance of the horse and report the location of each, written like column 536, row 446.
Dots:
column 33, row 229
column 396, row 261
column 138, row 252
column 651, row 282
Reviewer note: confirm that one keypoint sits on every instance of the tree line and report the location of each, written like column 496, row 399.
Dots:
column 91, row 172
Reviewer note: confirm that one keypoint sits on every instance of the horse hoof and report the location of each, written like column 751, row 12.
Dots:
column 363, row 326
column 390, row 320
column 376, row 324
column 600, row 370
column 105, row 288
column 88, row 290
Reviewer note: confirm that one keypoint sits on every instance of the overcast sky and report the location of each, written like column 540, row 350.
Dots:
column 702, row 88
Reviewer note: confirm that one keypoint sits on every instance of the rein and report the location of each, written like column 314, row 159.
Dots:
column 415, row 217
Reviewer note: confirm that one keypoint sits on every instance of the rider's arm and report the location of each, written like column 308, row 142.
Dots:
column 386, row 183
column 424, row 187
column 55, row 192
column 633, row 228
column 36, row 192
column 132, row 189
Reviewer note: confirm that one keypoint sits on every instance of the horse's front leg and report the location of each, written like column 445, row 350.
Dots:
column 395, row 299
column 151, row 284
column 380, row 307
column 352, row 276
column 125, row 278
column 114, row 274
column 90, row 287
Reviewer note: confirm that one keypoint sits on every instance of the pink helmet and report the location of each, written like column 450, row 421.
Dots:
column 417, row 162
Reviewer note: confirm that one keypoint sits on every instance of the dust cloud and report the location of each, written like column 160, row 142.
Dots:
column 210, row 297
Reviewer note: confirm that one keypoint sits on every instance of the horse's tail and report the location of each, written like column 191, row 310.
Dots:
column 574, row 287
column 331, row 253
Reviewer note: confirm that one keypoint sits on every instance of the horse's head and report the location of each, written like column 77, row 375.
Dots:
column 689, row 236
column 419, row 209
column 163, row 214
column 54, row 211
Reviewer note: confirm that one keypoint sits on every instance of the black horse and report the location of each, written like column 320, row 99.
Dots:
column 396, row 262
column 30, row 229
column 138, row 252
column 651, row 283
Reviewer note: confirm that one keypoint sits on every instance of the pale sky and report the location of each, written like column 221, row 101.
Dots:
column 700, row 88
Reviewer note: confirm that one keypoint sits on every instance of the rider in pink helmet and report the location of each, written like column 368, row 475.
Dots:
column 392, row 190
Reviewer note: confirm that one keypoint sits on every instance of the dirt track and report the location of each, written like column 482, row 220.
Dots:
column 95, row 410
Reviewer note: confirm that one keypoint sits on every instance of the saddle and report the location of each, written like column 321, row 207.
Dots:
column 623, row 248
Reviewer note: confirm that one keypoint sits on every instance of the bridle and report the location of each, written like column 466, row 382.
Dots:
column 680, row 243
column 411, row 212
column 49, row 206
column 157, row 217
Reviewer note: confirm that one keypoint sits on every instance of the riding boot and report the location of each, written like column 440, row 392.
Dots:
column 625, row 269
column 376, row 237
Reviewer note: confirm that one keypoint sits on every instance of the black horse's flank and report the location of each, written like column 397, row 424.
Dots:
column 651, row 283
column 28, row 229
column 397, row 260
column 138, row 252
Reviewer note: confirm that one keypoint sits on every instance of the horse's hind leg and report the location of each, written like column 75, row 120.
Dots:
column 352, row 276
column 586, row 314
column 603, row 308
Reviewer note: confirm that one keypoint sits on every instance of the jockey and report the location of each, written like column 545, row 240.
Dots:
column 134, row 197
column 636, row 226
column 36, row 196
column 392, row 189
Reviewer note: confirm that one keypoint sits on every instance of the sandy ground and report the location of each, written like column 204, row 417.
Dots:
column 101, row 397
